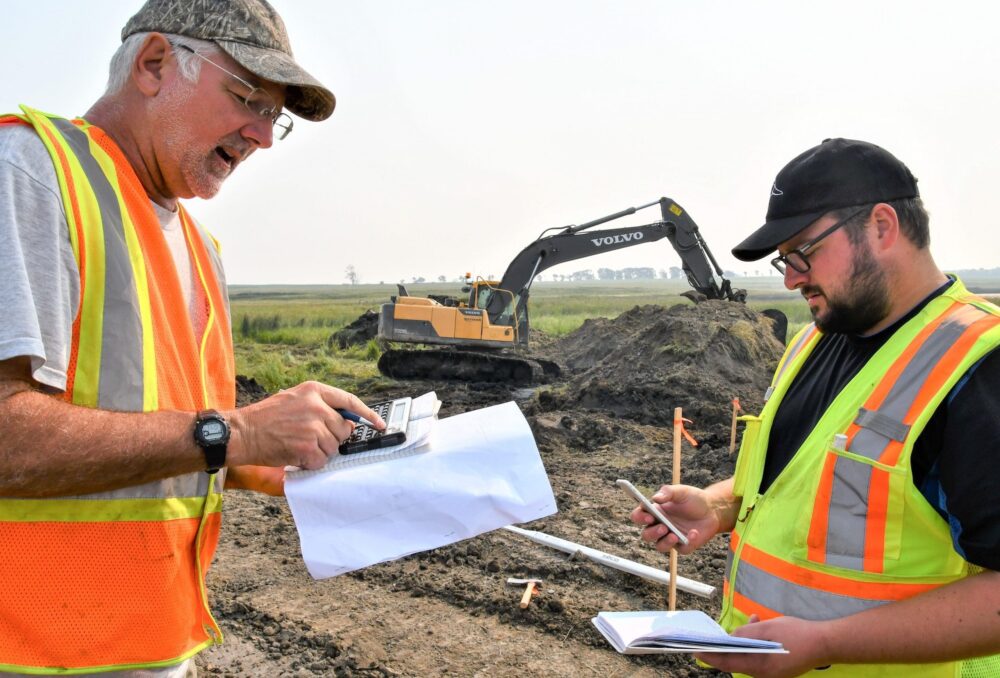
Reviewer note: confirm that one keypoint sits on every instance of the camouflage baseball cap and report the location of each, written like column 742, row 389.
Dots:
column 249, row 31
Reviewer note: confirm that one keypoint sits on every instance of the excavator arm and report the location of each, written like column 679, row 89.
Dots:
column 571, row 242
column 697, row 260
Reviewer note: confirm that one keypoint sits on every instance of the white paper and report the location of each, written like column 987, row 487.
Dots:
column 657, row 632
column 480, row 471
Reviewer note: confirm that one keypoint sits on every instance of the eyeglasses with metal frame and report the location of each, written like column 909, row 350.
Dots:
column 798, row 258
column 259, row 102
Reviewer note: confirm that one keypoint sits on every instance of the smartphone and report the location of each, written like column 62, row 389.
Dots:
column 651, row 508
column 395, row 414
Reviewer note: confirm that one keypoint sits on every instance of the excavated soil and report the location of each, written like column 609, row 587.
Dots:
column 448, row 611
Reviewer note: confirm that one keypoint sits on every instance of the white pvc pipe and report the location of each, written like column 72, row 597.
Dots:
column 632, row 567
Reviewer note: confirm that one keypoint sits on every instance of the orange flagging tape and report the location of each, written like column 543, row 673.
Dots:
column 688, row 436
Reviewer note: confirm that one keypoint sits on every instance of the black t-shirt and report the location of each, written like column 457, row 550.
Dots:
column 956, row 459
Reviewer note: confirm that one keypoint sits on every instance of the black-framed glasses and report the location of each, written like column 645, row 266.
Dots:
column 259, row 102
column 798, row 258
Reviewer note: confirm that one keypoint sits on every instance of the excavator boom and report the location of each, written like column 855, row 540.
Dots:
column 571, row 243
column 497, row 316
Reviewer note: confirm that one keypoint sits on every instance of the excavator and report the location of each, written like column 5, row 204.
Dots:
column 475, row 332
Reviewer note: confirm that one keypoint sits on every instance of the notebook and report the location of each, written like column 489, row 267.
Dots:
column 657, row 632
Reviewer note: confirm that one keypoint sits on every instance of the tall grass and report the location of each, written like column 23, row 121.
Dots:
column 276, row 368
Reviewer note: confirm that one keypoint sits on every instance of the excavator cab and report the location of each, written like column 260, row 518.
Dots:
column 481, row 291
column 500, row 304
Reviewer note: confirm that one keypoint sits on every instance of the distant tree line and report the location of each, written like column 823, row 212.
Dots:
column 979, row 273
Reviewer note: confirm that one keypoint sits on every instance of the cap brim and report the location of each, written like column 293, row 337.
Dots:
column 305, row 97
column 766, row 239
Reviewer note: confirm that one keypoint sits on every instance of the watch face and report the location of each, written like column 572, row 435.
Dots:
column 212, row 431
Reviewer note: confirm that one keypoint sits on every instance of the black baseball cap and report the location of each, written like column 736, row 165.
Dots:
column 836, row 174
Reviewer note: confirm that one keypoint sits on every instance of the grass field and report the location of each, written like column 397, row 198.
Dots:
column 281, row 332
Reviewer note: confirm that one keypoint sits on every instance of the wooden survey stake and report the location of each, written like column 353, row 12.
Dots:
column 678, row 428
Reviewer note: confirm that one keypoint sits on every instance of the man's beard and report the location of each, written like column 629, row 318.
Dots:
column 863, row 304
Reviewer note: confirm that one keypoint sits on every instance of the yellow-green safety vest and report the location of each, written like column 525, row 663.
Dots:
column 843, row 529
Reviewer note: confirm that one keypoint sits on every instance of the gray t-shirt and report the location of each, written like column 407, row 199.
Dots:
column 39, row 278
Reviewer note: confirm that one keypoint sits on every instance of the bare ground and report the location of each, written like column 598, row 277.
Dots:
column 448, row 611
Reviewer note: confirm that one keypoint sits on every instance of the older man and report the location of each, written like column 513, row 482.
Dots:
column 865, row 527
column 117, row 387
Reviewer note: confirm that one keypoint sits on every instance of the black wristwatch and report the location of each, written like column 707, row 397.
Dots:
column 211, row 432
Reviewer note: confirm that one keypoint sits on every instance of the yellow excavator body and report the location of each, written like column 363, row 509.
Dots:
column 427, row 321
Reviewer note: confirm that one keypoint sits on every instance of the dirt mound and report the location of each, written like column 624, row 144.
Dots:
column 358, row 332
column 651, row 359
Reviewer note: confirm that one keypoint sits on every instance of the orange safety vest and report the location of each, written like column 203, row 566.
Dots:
column 116, row 580
column 843, row 529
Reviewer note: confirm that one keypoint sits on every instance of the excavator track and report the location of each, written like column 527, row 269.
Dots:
column 451, row 364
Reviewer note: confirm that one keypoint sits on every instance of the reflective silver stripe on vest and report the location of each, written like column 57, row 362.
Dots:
column 794, row 351
column 796, row 600
column 187, row 485
column 845, row 536
column 871, row 443
column 847, row 521
column 121, row 371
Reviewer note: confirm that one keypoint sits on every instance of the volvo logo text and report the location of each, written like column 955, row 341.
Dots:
column 616, row 239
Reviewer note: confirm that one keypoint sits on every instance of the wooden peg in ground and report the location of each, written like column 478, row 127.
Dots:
column 679, row 432
column 529, row 589
column 678, row 428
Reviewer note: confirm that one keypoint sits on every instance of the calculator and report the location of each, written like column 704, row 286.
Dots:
column 395, row 414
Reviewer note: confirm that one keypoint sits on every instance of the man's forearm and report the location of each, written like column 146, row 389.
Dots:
column 51, row 448
column 952, row 622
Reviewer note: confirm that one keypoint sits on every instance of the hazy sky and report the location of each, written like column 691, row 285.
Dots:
column 465, row 128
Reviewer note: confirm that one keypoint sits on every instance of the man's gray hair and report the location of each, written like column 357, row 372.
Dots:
column 188, row 64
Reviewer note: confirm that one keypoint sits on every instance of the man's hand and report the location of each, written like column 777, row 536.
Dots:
column 804, row 640
column 295, row 427
column 700, row 514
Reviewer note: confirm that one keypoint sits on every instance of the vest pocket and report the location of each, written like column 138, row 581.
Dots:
column 857, row 517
